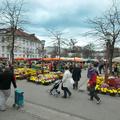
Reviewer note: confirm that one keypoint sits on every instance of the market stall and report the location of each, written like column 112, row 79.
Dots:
column 32, row 69
column 35, row 76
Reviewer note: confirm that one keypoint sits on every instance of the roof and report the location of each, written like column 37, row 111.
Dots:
column 116, row 59
column 21, row 33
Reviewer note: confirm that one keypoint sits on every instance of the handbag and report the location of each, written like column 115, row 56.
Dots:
column 72, row 81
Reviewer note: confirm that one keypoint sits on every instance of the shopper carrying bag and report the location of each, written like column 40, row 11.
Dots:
column 6, row 78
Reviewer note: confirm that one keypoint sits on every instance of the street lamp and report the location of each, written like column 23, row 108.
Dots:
column 42, row 44
column 73, row 43
column 74, row 54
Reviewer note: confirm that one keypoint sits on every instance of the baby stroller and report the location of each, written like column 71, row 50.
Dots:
column 54, row 90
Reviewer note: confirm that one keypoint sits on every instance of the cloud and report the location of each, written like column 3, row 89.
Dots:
column 66, row 15
column 50, row 10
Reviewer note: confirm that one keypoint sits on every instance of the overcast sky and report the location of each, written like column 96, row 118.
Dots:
column 68, row 16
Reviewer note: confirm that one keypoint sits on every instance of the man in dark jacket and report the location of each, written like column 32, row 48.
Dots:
column 76, row 76
column 6, row 78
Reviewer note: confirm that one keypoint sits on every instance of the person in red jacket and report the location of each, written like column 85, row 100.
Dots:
column 92, row 75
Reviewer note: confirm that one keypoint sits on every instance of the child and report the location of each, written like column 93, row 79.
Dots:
column 92, row 75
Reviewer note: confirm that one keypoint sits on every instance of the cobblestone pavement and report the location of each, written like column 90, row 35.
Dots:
column 39, row 105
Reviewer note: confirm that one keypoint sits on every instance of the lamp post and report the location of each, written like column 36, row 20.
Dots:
column 74, row 54
column 107, row 55
column 73, row 43
column 42, row 44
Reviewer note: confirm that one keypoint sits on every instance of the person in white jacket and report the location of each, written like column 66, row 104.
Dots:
column 66, row 82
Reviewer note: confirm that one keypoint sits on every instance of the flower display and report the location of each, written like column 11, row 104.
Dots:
column 35, row 76
column 111, row 87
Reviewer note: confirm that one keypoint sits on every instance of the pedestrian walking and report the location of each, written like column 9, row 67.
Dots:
column 115, row 70
column 6, row 78
column 76, row 74
column 66, row 82
column 92, row 75
column 101, row 67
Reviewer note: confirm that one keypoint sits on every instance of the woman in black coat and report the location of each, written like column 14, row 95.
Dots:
column 6, row 78
column 76, row 76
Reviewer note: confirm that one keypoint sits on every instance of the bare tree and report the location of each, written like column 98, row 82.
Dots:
column 88, row 51
column 107, row 28
column 58, row 40
column 55, row 51
column 72, row 44
column 11, row 17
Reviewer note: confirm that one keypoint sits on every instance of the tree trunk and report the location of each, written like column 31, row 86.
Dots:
column 111, row 49
column 13, row 29
column 12, row 49
column 59, row 52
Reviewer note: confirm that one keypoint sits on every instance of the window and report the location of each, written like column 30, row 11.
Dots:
column 3, row 48
column 3, row 39
column 2, row 55
column 8, row 55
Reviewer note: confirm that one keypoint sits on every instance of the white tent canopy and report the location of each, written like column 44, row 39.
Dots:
column 116, row 59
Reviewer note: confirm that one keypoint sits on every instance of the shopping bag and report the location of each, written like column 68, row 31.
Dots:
column 19, row 98
column 72, row 81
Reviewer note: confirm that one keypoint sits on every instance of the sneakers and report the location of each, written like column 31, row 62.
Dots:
column 69, row 95
column 90, row 99
column 64, row 97
column 99, row 101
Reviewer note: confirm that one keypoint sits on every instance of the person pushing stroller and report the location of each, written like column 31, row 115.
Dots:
column 67, row 81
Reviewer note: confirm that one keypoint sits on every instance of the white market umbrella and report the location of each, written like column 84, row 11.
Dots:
column 116, row 59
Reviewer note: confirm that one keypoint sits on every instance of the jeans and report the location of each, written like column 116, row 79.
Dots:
column 93, row 94
column 75, row 85
column 4, row 94
column 66, row 92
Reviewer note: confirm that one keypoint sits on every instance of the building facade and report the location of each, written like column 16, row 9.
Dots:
column 25, row 45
